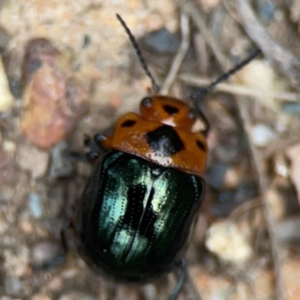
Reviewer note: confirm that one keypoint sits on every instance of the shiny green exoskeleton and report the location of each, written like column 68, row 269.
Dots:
column 142, row 199
column 134, row 217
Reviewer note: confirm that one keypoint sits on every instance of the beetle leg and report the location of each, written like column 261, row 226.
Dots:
column 103, row 141
column 76, row 156
column 181, row 280
column 58, row 259
column 92, row 155
column 93, row 149
column 63, row 238
column 87, row 140
column 94, row 146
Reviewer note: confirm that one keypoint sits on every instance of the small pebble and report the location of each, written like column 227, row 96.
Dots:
column 26, row 227
column 266, row 10
column 77, row 296
column 281, row 166
column 291, row 108
column 6, row 99
column 3, row 223
column 259, row 75
column 150, row 291
column 162, row 41
column 32, row 159
column 61, row 165
column 293, row 153
column 86, row 41
column 35, row 203
column 9, row 146
column 70, row 273
column 55, row 284
column 13, row 286
column 16, row 262
column 215, row 175
column 227, row 242
column 43, row 252
column 40, row 297
column 262, row 135
column 288, row 230
column 209, row 5
column 4, row 40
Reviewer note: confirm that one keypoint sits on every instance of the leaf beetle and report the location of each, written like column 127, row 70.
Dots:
column 142, row 199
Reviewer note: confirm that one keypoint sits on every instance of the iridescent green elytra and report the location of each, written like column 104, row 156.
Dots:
column 135, row 216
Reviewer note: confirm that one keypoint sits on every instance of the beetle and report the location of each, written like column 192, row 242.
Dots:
column 142, row 199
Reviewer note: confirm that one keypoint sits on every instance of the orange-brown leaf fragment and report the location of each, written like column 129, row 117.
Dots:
column 55, row 101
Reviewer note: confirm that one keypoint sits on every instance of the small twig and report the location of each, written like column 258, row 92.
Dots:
column 255, row 157
column 191, row 9
column 184, row 46
column 290, row 66
column 240, row 210
column 237, row 89
column 286, row 62
column 86, row 10
column 280, row 144
column 262, row 184
column 192, row 289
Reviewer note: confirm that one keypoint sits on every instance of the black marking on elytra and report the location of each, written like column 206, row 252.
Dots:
column 171, row 110
column 128, row 123
column 146, row 228
column 136, row 217
column 200, row 145
column 134, row 209
column 164, row 141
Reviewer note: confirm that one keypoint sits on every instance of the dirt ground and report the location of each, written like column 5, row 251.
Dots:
column 246, row 241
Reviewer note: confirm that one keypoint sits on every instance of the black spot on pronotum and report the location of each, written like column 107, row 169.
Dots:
column 164, row 141
column 128, row 123
column 200, row 145
column 137, row 217
column 171, row 110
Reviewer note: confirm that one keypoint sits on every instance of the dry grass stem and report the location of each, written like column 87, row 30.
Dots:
column 237, row 89
column 184, row 46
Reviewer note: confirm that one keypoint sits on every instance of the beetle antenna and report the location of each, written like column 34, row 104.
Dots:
column 139, row 53
column 205, row 90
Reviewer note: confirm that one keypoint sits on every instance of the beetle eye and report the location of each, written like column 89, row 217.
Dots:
column 147, row 102
column 192, row 114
